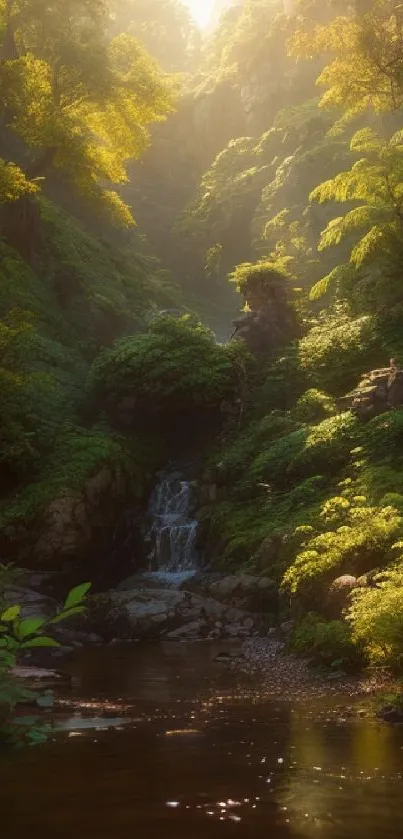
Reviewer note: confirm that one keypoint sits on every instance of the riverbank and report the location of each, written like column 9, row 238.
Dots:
column 284, row 675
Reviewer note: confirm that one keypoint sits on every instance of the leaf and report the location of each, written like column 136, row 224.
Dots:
column 41, row 641
column 7, row 660
column 76, row 595
column 67, row 613
column 11, row 614
column 29, row 626
column 320, row 288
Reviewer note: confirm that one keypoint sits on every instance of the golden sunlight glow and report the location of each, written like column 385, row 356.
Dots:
column 201, row 10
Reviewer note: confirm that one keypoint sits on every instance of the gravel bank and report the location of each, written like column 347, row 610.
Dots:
column 286, row 675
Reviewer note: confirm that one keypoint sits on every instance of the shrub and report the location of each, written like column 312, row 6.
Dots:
column 376, row 618
column 314, row 406
column 18, row 634
column 337, row 349
column 175, row 368
column 361, row 539
column 327, row 643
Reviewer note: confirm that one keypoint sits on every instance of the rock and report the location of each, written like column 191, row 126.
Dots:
column 287, row 627
column 235, row 631
column 339, row 595
column 189, row 631
column 248, row 624
column 76, row 638
column 246, row 592
column 378, row 391
column 32, row 602
column 224, row 658
column 35, row 673
column 32, row 676
column 141, row 608
column 395, row 389
column 391, row 714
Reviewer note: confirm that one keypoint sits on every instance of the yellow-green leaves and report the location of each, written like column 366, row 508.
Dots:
column 78, row 102
column 13, row 183
column 365, row 69
column 76, row 595
column 376, row 181
column 11, row 614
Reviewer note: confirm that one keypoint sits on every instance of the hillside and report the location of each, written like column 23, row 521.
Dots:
column 263, row 168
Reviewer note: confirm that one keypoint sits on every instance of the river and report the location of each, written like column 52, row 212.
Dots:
column 199, row 753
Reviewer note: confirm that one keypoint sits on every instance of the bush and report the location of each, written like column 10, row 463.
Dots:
column 361, row 538
column 327, row 643
column 376, row 618
column 174, row 369
column 337, row 349
column 314, row 406
column 307, row 451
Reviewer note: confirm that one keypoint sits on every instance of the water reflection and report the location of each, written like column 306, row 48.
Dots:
column 204, row 758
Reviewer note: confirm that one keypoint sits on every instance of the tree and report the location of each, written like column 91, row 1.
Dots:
column 73, row 100
column 366, row 42
column 374, row 227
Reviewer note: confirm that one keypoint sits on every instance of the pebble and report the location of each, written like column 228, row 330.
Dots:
column 284, row 675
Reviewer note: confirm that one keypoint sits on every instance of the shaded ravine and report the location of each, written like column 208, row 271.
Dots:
column 203, row 754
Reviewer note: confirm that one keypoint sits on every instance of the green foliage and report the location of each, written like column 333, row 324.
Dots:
column 325, row 643
column 375, row 226
column 376, row 618
column 78, row 101
column 13, row 183
column 16, row 635
column 314, row 406
column 261, row 279
column 337, row 348
column 78, row 454
column 173, row 369
column 351, row 537
column 365, row 67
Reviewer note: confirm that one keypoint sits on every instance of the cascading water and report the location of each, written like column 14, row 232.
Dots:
column 173, row 529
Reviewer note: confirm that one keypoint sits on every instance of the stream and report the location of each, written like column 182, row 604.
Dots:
column 193, row 750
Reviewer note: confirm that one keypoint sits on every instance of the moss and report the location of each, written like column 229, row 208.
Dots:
column 77, row 455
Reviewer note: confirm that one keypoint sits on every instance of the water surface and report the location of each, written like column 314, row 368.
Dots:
column 202, row 757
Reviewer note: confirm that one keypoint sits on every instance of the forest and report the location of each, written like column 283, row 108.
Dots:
column 201, row 248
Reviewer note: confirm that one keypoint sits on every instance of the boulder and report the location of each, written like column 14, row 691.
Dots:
column 391, row 713
column 395, row 389
column 245, row 592
column 209, row 605
column 378, row 391
column 32, row 602
column 339, row 595
column 190, row 631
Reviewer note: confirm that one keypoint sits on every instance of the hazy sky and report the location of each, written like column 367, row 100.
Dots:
column 201, row 10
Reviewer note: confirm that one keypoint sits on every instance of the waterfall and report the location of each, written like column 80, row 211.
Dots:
column 173, row 528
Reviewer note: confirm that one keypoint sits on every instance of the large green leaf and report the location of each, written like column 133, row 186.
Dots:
column 67, row 613
column 11, row 614
column 30, row 626
column 76, row 595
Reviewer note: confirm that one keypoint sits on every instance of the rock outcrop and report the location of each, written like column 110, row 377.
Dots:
column 80, row 524
column 378, row 391
column 206, row 606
